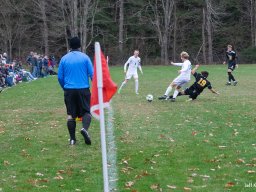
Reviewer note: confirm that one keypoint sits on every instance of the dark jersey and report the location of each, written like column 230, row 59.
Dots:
column 201, row 83
column 231, row 57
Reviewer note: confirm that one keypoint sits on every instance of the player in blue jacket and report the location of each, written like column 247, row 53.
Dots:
column 74, row 74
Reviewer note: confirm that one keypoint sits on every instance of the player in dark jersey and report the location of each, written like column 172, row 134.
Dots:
column 231, row 61
column 199, row 85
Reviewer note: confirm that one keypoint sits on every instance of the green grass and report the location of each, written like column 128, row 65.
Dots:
column 206, row 145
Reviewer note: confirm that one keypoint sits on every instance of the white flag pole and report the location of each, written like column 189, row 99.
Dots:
column 102, row 120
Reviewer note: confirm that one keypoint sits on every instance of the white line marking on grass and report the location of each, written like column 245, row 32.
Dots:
column 111, row 149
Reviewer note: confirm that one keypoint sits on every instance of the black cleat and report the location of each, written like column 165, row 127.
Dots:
column 87, row 138
column 164, row 97
column 72, row 142
column 235, row 83
column 172, row 99
column 228, row 83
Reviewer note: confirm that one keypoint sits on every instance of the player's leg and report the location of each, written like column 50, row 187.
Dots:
column 84, row 111
column 175, row 94
column 71, row 110
column 71, row 124
column 136, row 80
column 167, row 92
column 179, row 83
column 231, row 77
column 122, row 85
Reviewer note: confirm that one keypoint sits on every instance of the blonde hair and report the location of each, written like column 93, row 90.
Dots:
column 184, row 55
column 230, row 46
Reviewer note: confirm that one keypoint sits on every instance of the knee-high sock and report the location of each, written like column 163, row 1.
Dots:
column 123, row 84
column 230, row 77
column 71, row 123
column 86, row 121
column 176, row 92
column 168, row 90
column 136, row 85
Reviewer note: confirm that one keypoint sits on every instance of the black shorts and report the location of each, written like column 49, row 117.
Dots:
column 232, row 66
column 77, row 101
column 191, row 92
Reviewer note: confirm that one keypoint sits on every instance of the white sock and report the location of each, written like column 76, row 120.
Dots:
column 168, row 90
column 123, row 84
column 176, row 92
column 136, row 85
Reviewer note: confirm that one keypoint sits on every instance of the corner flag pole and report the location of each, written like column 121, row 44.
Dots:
column 102, row 120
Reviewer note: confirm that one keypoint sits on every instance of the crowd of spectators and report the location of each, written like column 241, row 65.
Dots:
column 13, row 72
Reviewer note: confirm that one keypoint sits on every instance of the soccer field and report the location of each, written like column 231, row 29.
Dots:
column 205, row 145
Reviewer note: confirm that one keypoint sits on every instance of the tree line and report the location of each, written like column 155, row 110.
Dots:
column 160, row 29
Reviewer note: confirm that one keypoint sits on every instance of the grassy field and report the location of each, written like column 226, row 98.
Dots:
column 206, row 145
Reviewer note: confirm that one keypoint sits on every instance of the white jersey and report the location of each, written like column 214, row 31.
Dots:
column 134, row 63
column 185, row 69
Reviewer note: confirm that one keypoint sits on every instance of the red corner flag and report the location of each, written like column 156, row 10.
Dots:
column 109, row 87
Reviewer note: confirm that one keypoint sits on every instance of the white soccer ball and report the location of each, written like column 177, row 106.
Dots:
column 149, row 97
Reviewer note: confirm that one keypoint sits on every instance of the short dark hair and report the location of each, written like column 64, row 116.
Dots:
column 205, row 74
column 74, row 43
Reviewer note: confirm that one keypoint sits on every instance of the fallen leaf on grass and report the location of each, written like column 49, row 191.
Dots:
column 129, row 184
column 143, row 174
column 156, row 187
column 229, row 184
column 240, row 161
column 187, row 189
column 194, row 133
column 40, row 174
column 171, row 187
column 6, row 163
column 251, row 171
column 60, row 172
column 190, row 180
column 58, row 177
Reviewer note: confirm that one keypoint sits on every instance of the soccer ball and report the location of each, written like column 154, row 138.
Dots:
column 149, row 97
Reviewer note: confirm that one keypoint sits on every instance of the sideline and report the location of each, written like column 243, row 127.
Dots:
column 111, row 150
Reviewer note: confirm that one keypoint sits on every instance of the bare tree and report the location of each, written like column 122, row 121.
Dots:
column 252, row 14
column 121, row 26
column 203, row 37
column 12, row 25
column 40, row 13
column 161, row 20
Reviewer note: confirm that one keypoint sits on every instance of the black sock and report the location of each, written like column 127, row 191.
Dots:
column 232, row 77
column 86, row 121
column 229, row 77
column 72, row 128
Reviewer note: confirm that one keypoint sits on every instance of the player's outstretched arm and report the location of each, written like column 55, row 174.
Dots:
column 176, row 64
column 215, row 92
column 194, row 70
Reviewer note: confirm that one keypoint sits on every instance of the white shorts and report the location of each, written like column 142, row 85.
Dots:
column 130, row 75
column 180, row 81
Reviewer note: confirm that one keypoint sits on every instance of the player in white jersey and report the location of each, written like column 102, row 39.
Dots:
column 182, row 79
column 134, row 64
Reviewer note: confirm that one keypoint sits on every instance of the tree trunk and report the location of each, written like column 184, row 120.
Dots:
column 74, row 19
column 65, row 26
column 174, row 34
column 209, row 30
column 254, row 23
column 45, row 28
column 84, row 27
column 203, row 38
column 121, row 27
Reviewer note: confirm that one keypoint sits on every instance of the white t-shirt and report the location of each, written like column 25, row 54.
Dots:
column 185, row 69
column 134, row 63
